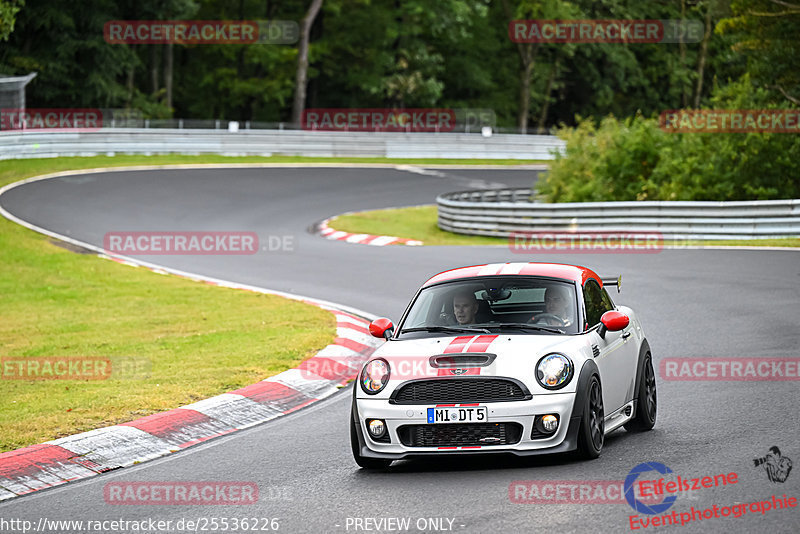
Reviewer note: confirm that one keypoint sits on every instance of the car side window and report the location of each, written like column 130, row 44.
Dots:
column 597, row 302
column 607, row 303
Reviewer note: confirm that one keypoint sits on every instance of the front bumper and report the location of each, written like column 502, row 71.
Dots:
column 520, row 412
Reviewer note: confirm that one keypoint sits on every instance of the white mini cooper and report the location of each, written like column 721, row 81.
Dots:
column 520, row 358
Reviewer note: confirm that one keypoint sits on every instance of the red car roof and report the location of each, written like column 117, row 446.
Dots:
column 553, row 270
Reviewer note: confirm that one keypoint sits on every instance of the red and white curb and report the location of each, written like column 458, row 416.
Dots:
column 362, row 239
column 63, row 460
column 83, row 455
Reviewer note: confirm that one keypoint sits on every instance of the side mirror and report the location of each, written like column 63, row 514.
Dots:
column 612, row 321
column 382, row 328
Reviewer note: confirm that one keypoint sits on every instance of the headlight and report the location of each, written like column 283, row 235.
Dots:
column 554, row 371
column 375, row 376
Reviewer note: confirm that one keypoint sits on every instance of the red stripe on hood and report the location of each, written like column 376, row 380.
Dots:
column 458, row 344
column 482, row 343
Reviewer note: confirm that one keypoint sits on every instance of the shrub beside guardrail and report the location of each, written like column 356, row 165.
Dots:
column 503, row 212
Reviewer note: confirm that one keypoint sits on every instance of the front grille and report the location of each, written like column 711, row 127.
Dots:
column 460, row 434
column 456, row 390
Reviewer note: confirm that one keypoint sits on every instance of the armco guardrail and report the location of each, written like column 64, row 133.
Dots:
column 504, row 212
column 43, row 143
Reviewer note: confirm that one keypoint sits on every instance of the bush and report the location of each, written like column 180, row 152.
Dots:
column 633, row 159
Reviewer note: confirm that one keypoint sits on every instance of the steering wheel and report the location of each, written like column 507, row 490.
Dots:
column 446, row 319
column 546, row 317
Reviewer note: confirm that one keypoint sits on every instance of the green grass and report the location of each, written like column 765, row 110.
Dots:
column 783, row 242
column 30, row 167
column 190, row 340
column 419, row 223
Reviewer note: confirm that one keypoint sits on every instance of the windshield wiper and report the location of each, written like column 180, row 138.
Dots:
column 523, row 326
column 447, row 329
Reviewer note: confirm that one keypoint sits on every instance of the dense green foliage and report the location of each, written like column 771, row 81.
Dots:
column 365, row 53
column 454, row 54
column 634, row 159
column 8, row 13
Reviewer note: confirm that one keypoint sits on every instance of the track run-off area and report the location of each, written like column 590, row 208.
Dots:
column 697, row 303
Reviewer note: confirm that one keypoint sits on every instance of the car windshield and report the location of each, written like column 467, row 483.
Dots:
column 522, row 305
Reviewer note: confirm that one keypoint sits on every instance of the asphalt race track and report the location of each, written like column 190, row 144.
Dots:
column 693, row 303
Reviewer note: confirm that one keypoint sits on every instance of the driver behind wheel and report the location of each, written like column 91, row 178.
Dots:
column 556, row 305
column 465, row 307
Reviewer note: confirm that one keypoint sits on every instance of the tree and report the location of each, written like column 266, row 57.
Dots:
column 766, row 33
column 63, row 42
column 8, row 12
column 301, row 76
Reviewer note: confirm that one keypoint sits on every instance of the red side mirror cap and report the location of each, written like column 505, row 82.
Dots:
column 381, row 328
column 615, row 321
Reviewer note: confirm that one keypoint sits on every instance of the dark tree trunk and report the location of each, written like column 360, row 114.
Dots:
column 701, row 62
column 154, row 69
column 301, row 76
column 527, row 56
column 129, row 84
column 546, row 103
column 168, row 66
column 682, row 49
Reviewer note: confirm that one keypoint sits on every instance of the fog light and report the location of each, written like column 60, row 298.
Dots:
column 549, row 423
column 376, row 427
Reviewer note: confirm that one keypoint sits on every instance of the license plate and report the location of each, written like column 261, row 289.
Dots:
column 466, row 414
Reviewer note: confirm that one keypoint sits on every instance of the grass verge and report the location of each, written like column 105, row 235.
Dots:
column 180, row 341
column 30, row 167
column 419, row 223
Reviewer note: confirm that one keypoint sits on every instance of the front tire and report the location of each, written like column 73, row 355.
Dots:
column 591, row 433
column 366, row 463
column 647, row 403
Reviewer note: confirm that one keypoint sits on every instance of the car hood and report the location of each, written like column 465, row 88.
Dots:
column 496, row 355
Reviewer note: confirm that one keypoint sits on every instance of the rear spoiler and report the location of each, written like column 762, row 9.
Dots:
column 613, row 282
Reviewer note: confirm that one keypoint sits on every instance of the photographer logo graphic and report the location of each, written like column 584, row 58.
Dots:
column 637, row 504
column 777, row 467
